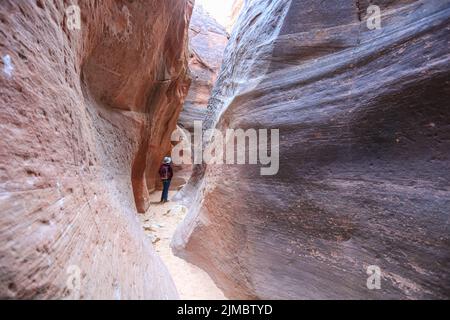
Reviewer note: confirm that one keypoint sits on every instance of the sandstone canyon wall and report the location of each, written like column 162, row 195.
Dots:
column 207, row 41
column 86, row 118
column 364, row 163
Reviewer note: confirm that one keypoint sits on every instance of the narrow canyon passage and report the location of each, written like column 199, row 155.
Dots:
column 159, row 223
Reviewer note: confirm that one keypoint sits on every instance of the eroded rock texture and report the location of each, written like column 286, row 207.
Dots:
column 364, row 154
column 86, row 114
column 207, row 40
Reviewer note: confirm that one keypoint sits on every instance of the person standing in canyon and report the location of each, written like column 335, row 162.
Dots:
column 166, row 174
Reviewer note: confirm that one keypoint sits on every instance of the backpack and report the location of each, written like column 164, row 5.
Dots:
column 164, row 172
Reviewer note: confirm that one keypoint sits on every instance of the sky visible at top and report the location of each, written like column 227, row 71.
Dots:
column 218, row 9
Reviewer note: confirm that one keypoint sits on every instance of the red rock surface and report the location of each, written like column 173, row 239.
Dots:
column 364, row 162
column 86, row 118
column 207, row 41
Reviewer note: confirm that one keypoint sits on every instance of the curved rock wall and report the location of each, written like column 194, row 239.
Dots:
column 85, row 120
column 364, row 163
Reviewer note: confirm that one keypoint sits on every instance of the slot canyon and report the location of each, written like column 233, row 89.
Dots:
column 87, row 117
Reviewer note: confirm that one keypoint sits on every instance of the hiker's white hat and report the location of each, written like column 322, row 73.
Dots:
column 167, row 160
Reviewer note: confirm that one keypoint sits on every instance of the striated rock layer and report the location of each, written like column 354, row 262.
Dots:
column 364, row 164
column 86, row 118
column 207, row 40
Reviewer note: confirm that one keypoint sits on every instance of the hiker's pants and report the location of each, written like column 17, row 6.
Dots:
column 165, row 192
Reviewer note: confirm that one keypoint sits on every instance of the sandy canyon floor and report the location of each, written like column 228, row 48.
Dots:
column 160, row 223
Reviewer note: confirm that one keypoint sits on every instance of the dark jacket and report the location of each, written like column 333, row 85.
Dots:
column 165, row 172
